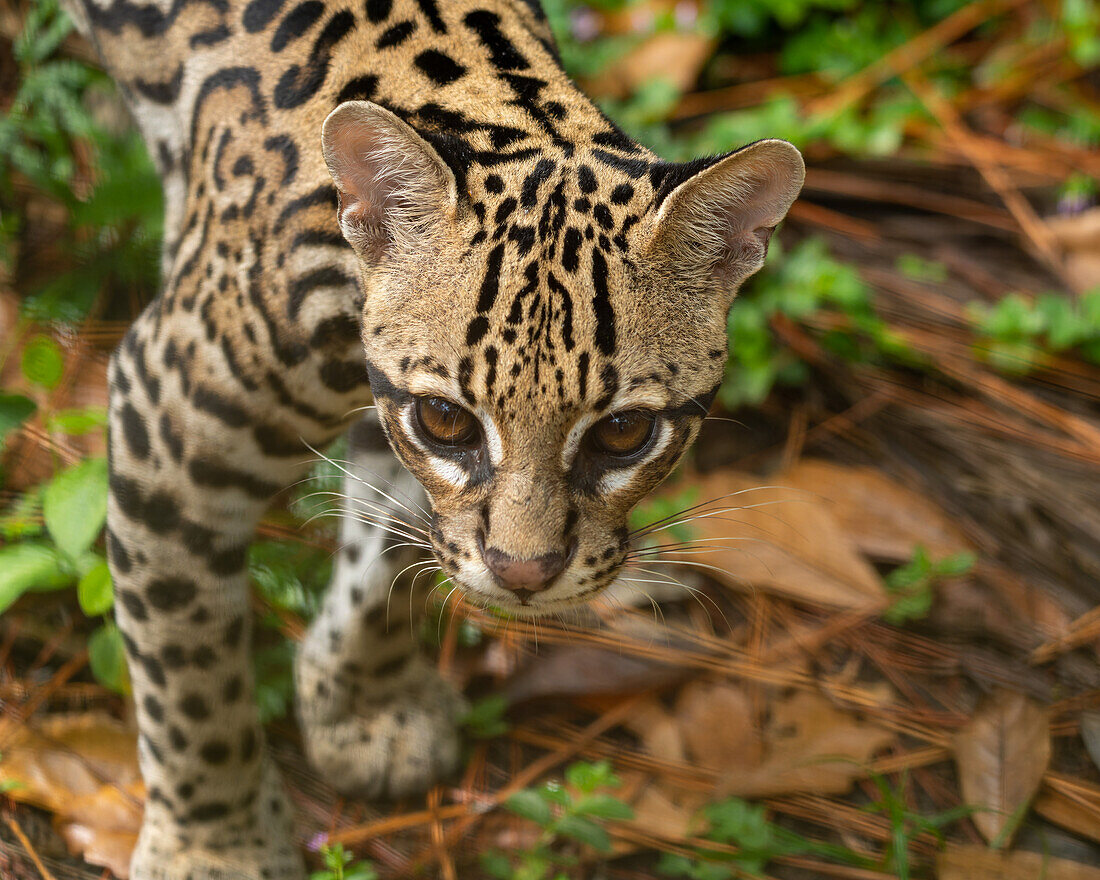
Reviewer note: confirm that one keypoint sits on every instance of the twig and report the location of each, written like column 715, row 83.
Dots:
column 1042, row 239
column 1084, row 629
column 17, row 830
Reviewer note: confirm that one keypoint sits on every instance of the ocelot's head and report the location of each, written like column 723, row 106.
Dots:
column 544, row 334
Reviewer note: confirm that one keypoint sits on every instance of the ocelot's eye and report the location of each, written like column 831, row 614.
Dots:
column 623, row 434
column 447, row 423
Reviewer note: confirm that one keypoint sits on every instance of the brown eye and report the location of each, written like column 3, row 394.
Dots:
column 623, row 433
column 446, row 422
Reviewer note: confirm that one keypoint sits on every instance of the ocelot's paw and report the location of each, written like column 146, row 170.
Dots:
column 163, row 854
column 386, row 748
column 254, row 844
column 277, row 861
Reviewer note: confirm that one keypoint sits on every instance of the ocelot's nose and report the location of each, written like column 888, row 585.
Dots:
column 525, row 576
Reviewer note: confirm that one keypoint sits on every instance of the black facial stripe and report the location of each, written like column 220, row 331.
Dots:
column 382, row 386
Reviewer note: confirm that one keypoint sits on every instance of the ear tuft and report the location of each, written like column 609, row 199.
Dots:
column 394, row 188
column 720, row 219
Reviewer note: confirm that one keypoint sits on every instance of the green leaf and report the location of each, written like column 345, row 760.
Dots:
column 530, row 805
column 674, row 865
column 94, row 591
column 584, row 830
column 552, row 792
column 75, row 505
column 588, row 777
column 497, row 865
column 43, row 363
column 77, row 422
column 603, row 806
column 955, row 565
column 274, row 673
column 107, row 658
column 14, row 410
column 26, row 567
column 712, row 871
column 485, row 719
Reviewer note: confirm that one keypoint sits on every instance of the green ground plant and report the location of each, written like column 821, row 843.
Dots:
column 485, row 719
column 757, row 839
column 339, row 865
column 62, row 140
column 912, row 586
column 907, row 824
column 573, row 811
column 1015, row 332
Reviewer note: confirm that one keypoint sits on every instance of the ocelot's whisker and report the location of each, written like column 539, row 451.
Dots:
column 633, row 584
column 357, row 517
column 661, row 522
column 442, row 613
column 401, row 505
column 369, row 505
column 695, row 545
column 353, row 476
column 409, row 498
column 719, row 515
column 696, row 594
column 748, row 586
column 686, row 563
column 359, row 409
column 396, row 578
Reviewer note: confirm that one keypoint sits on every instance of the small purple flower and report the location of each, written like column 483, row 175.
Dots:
column 1075, row 202
column 317, row 841
column 584, row 24
column 686, row 14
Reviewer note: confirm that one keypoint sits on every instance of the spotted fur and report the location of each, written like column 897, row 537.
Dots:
column 511, row 251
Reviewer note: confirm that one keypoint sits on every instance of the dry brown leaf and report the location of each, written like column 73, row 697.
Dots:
column 789, row 543
column 103, row 827
column 584, row 670
column 65, row 756
column 884, row 519
column 1001, row 756
column 716, row 725
column 659, row 815
column 82, row 768
column 106, row 849
column 808, row 745
column 658, row 730
column 1079, row 237
column 978, row 863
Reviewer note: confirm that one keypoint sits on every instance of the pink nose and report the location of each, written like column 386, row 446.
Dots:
column 524, row 575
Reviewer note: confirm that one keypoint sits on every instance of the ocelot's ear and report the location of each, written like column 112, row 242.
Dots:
column 395, row 190
column 717, row 223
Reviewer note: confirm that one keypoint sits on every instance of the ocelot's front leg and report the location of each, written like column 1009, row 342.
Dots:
column 194, row 461
column 377, row 718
